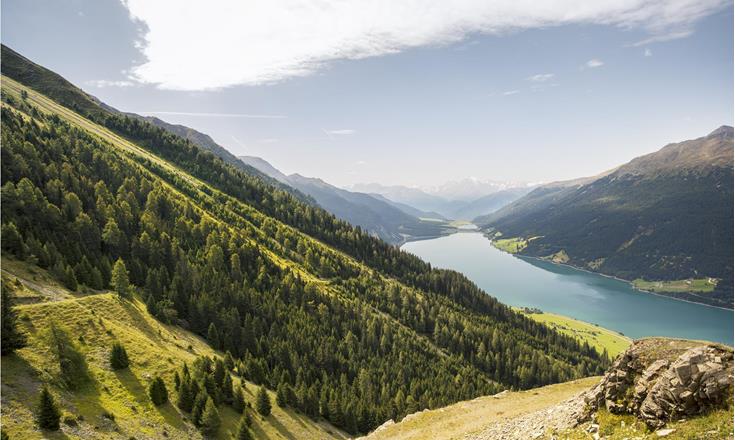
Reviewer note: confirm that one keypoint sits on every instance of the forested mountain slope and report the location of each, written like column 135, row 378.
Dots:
column 662, row 217
column 354, row 329
column 116, row 402
column 374, row 215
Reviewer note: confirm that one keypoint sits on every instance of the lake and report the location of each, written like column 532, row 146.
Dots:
column 589, row 297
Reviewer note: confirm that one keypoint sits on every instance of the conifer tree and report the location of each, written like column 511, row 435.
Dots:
column 281, row 396
column 120, row 281
column 12, row 339
column 213, row 336
column 48, row 412
column 198, row 409
column 238, row 400
column 158, row 392
column 118, row 357
column 185, row 400
column 210, row 418
column 263, row 402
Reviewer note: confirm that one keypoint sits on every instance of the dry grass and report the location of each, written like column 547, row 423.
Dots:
column 456, row 421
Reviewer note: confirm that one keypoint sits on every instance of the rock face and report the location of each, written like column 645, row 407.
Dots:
column 661, row 380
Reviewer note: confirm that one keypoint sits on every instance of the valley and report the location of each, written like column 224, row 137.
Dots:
column 563, row 290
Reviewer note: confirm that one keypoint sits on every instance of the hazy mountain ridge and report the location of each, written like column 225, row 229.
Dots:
column 465, row 205
column 662, row 216
column 374, row 214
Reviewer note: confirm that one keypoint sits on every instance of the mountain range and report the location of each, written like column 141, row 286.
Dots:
column 376, row 215
column 463, row 205
column 663, row 220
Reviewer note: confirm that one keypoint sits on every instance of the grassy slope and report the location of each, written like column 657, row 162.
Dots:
column 153, row 347
column 596, row 336
column 716, row 425
column 456, row 421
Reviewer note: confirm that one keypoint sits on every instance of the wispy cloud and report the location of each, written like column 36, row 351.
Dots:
column 265, row 41
column 540, row 77
column 341, row 132
column 593, row 63
column 102, row 83
column 647, row 53
column 215, row 115
column 511, row 92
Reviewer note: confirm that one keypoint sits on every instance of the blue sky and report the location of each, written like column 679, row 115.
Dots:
column 398, row 97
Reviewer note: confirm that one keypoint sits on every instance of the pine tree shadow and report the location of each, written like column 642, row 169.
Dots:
column 170, row 414
column 280, row 428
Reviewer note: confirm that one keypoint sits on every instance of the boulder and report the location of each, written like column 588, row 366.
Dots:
column 661, row 380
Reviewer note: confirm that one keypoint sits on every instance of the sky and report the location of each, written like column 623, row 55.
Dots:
column 408, row 92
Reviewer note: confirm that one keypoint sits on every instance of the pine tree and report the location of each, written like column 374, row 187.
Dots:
column 198, row 410
column 186, row 399
column 281, row 395
column 12, row 339
column 120, row 281
column 243, row 432
column 213, row 336
column 238, row 400
column 210, row 418
column 118, row 357
column 158, row 392
column 48, row 412
column 263, row 402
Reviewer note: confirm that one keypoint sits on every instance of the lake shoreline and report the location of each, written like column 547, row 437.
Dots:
column 613, row 277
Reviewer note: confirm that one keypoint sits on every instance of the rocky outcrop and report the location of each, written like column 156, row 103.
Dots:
column 661, row 380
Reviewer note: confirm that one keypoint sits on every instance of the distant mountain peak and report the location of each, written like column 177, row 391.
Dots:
column 724, row 131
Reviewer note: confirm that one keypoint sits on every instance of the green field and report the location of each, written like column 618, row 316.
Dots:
column 596, row 336
column 511, row 245
column 700, row 285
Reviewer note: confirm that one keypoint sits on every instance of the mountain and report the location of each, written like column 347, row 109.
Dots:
column 373, row 214
column 457, row 201
column 470, row 189
column 663, row 219
column 489, row 203
column 265, row 167
column 342, row 326
column 413, row 197
column 410, row 210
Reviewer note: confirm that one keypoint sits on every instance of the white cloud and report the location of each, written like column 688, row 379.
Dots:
column 196, row 45
column 540, row 77
column 511, row 92
column 102, row 83
column 341, row 132
column 647, row 53
column 215, row 115
column 594, row 63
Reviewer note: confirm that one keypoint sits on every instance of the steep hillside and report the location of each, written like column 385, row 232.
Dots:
column 374, row 215
column 114, row 404
column 346, row 326
column 671, row 388
column 665, row 217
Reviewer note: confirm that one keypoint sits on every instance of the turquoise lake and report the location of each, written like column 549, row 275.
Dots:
column 589, row 297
